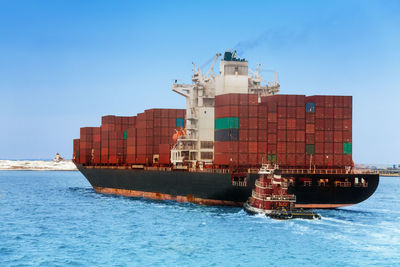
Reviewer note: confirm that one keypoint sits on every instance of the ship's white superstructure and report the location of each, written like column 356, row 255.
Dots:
column 196, row 146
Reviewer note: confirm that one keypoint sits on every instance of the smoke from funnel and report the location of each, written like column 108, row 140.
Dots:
column 272, row 39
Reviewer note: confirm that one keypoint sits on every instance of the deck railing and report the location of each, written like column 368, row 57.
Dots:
column 273, row 197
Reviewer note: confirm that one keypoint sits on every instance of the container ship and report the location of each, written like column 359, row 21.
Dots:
column 210, row 152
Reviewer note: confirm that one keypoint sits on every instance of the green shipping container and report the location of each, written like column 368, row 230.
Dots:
column 347, row 149
column 125, row 135
column 227, row 123
column 77, row 154
column 179, row 122
column 310, row 149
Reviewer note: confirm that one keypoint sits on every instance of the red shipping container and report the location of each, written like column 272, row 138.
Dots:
column 310, row 139
column 223, row 147
column 262, row 148
column 310, row 118
column 300, row 148
column 272, row 117
column 243, row 112
column 243, row 99
column 253, row 123
column 319, row 148
column 338, row 137
column 221, row 100
column 329, row 101
column 281, row 136
column 243, row 123
column 243, row 147
column 112, row 158
column 253, row 99
column 219, row 147
column 234, row 99
column 347, row 136
column 328, row 136
column 272, row 127
column 252, row 147
column 281, row 148
column 262, row 135
column 348, row 101
column 347, row 113
column 300, row 100
column 338, row 124
column 76, row 151
column 329, row 125
column 300, row 124
column 243, row 159
column 291, row 100
column 300, row 112
column 291, row 112
column 328, row 160
column 328, row 148
column 253, row 135
column 253, row 111
column 272, row 107
column 234, row 111
column 310, row 128
column 291, row 124
column 329, row 113
column 317, row 160
column 347, row 125
column 319, row 112
column 282, row 112
column 339, row 101
column 291, row 147
column 300, row 159
column 338, row 148
column 172, row 113
column 291, row 136
column 291, row 159
column 262, row 111
column 253, row 159
column 338, row 113
column 348, row 160
column 221, row 159
column 338, row 160
column 282, row 124
column 262, row 123
column 271, row 149
column 281, row 100
column 218, row 112
column 300, row 136
column 319, row 124
column 271, row 139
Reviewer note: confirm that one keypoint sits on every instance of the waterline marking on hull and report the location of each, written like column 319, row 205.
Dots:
column 161, row 196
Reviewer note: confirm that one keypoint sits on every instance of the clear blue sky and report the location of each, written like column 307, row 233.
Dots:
column 64, row 64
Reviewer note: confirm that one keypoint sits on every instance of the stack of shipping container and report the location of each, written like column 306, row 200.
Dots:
column 293, row 131
column 129, row 140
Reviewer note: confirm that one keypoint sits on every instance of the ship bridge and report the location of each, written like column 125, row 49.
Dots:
column 196, row 147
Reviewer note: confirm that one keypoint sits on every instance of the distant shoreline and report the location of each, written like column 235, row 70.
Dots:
column 37, row 165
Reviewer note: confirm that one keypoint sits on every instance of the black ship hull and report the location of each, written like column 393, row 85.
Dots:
column 221, row 189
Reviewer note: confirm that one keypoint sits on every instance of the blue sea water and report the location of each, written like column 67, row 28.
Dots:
column 56, row 219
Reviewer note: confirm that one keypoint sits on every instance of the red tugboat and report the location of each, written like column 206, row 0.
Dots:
column 270, row 197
